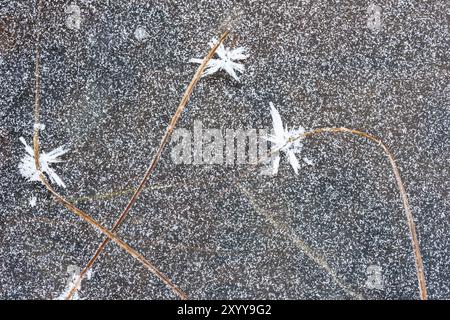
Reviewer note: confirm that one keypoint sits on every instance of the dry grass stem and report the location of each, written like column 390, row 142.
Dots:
column 404, row 197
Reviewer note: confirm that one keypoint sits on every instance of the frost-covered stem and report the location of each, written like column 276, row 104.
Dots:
column 403, row 194
column 66, row 203
column 184, row 101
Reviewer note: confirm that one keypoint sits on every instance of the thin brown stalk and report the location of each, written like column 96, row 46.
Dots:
column 409, row 216
column 69, row 205
column 165, row 139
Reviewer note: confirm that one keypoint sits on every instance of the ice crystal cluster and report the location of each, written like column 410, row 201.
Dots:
column 285, row 140
column 27, row 166
column 226, row 60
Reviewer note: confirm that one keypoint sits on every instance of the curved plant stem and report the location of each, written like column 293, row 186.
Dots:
column 165, row 139
column 66, row 203
column 409, row 216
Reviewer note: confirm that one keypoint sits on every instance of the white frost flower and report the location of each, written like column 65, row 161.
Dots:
column 27, row 166
column 226, row 61
column 284, row 140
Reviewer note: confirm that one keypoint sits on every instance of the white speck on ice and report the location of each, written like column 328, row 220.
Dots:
column 309, row 162
column 141, row 34
column 33, row 201
column 39, row 126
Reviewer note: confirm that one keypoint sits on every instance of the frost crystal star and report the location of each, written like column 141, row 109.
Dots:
column 27, row 166
column 226, row 61
column 286, row 141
